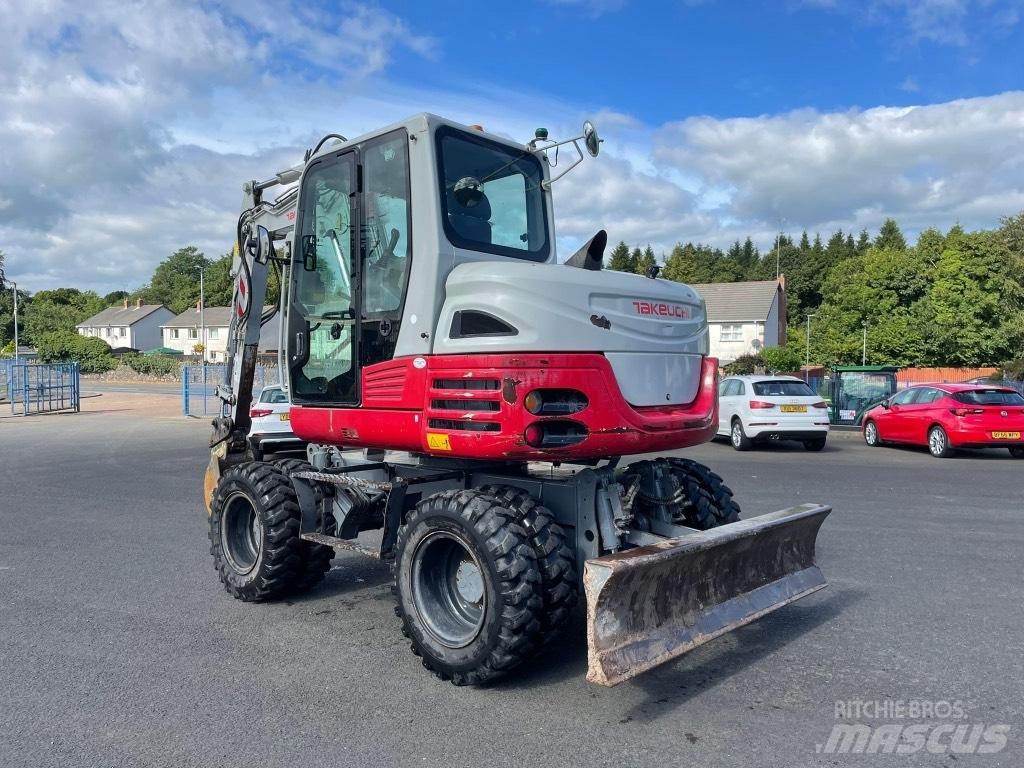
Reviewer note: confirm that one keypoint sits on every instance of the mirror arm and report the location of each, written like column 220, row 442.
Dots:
column 547, row 184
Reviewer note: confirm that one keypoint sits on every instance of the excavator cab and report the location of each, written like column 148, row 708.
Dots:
column 468, row 403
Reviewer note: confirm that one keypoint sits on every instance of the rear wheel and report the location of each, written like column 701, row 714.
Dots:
column 871, row 434
column 254, row 532
column 555, row 559
column 316, row 558
column 938, row 443
column 678, row 491
column 469, row 591
column 739, row 438
column 815, row 445
column 1017, row 453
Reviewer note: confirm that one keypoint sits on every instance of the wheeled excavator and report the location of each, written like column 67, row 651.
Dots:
column 469, row 404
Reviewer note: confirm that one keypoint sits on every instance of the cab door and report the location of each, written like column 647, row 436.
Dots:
column 322, row 317
column 350, row 274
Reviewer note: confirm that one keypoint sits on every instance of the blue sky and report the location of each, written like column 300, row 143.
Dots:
column 128, row 127
column 661, row 61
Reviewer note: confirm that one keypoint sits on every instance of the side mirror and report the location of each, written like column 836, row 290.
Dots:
column 885, row 404
column 591, row 139
column 309, row 253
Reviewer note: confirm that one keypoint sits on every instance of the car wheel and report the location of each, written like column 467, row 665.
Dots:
column 739, row 438
column 815, row 445
column 938, row 443
column 871, row 434
column 1017, row 453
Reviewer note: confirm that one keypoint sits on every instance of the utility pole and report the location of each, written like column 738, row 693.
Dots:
column 778, row 248
column 14, row 287
column 202, row 311
column 807, row 364
column 864, row 350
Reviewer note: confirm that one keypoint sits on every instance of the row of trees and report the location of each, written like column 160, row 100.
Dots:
column 175, row 284
column 951, row 299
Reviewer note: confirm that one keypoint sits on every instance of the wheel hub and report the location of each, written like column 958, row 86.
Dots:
column 448, row 588
column 469, row 582
column 241, row 533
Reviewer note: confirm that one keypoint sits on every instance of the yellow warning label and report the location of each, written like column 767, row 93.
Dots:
column 438, row 442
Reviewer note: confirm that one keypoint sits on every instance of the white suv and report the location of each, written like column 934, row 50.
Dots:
column 755, row 408
column 271, row 429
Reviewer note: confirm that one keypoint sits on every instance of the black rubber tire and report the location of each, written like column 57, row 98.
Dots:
column 555, row 559
column 316, row 558
column 702, row 485
column 738, row 437
column 277, row 561
column 1017, row 453
column 871, row 435
column 696, row 498
column 814, row 445
column 512, row 595
column 938, row 443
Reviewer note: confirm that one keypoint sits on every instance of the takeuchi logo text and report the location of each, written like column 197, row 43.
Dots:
column 661, row 309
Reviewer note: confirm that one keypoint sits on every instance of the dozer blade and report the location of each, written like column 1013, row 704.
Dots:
column 648, row 605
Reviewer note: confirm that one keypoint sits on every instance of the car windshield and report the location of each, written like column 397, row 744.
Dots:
column 274, row 395
column 491, row 196
column 989, row 397
column 782, row 388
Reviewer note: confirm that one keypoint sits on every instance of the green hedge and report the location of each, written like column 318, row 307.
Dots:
column 153, row 365
column 91, row 354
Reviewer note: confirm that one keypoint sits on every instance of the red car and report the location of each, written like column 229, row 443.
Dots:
column 946, row 417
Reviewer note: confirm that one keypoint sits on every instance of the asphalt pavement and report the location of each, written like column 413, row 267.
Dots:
column 118, row 646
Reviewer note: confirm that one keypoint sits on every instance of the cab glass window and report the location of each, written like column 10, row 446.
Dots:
column 491, row 196
column 324, row 275
column 386, row 217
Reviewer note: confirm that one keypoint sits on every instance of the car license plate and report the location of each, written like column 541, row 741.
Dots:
column 1006, row 435
column 793, row 408
column 286, row 417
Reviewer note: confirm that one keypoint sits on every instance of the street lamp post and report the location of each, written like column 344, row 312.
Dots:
column 778, row 249
column 202, row 311
column 864, row 348
column 807, row 363
column 14, row 287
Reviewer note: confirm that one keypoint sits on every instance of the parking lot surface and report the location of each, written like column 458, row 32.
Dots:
column 118, row 646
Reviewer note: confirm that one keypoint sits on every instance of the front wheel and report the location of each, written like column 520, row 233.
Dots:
column 739, row 438
column 469, row 591
column 938, row 443
column 871, row 434
column 254, row 532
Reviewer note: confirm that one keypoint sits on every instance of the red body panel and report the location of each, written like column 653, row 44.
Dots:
column 412, row 404
column 911, row 423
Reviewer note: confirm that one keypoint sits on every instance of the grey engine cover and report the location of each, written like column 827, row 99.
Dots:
column 653, row 332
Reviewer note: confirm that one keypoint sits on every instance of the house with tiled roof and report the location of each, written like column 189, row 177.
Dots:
column 131, row 325
column 745, row 317
column 186, row 331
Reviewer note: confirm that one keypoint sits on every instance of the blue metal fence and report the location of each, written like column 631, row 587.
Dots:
column 199, row 387
column 5, row 379
column 43, row 388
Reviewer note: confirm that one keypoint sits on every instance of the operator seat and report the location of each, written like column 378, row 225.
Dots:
column 472, row 223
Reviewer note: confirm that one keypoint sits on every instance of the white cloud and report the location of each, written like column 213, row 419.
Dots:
column 100, row 101
column 128, row 130
column 928, row 165
column 945, row 22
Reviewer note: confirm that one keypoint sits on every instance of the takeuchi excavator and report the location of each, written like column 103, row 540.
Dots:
column 467, row 402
